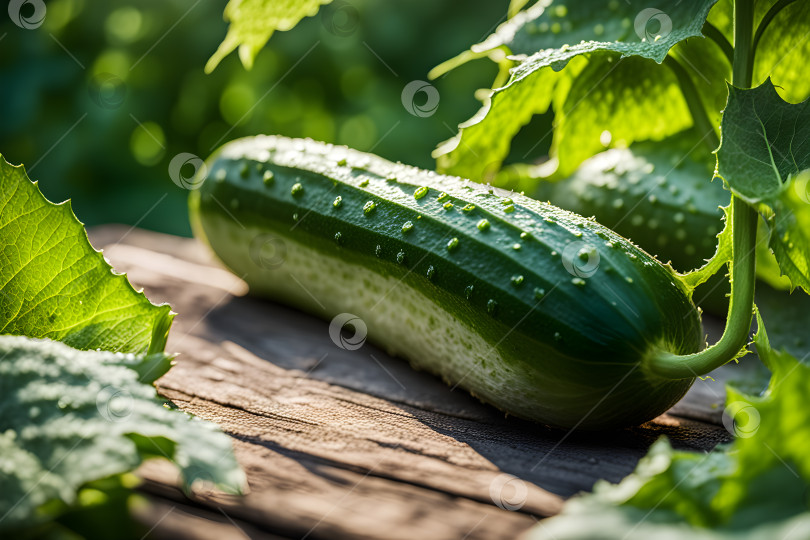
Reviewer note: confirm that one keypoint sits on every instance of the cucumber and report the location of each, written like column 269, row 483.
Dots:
column 661, row 196
column 545, row 314
column 657, row 193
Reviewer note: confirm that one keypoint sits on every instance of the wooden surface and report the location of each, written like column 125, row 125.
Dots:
column 354, row 444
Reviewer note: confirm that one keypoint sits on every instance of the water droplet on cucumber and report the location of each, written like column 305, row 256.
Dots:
column 492, row 306
column 420, row 192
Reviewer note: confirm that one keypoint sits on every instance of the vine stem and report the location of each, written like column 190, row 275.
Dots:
column 743, row 223
column 693, row 101
column 713, row 33
column 766, row 20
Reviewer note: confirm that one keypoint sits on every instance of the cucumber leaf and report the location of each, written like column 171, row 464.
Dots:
column 554, row 32
column 68, row 417
column 783, row 51
column 788, row 316
column 53, row 284
column 483, row 141
column 630, row 100
column 626, row 97
column 767, row 267
column 515, row 6
column 721, row 257
column 784, row 59
column 763, row 157
column 252, row 22
column 752, row 488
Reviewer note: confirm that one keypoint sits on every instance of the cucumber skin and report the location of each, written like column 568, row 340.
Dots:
column 669, row 209
column 570, row 359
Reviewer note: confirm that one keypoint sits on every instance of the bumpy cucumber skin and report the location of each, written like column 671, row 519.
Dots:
column 671, row 209
column 573, row 356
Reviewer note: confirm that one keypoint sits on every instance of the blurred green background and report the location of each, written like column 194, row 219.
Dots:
column 98, row 99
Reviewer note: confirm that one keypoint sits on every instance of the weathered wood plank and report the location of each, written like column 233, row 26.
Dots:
column 355, row 443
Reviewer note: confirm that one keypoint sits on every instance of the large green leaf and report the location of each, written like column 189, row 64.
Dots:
column 53, row 284
column 68, row 417
column 478, row 151
column 783, row 52
column 616, row 103
column 709, row 69
column 753, row 488
column 252, row 22
column 551, row 33
column 764, row 157
column 621, row 91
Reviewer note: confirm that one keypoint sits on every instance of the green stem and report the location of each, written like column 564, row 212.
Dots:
column 766, row 20
column 714, row 34
column 742, row 67
column 740, row 312
column 692, row 97
column 744, row 234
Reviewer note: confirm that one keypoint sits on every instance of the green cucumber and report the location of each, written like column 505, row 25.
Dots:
column 658, row 194
column 545, row 314
column 661, row 196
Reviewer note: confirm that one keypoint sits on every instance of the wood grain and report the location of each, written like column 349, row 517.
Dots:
column 355, row 444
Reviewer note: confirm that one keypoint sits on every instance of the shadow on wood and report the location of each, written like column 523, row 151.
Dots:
column 340, row 443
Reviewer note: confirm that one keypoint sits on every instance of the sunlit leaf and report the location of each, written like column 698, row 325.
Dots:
column 53, row 284
column 554, row 32
column 621, row 91
column 783, row 51
column 252, row 22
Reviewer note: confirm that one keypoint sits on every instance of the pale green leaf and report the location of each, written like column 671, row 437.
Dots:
column 68, row 417
column 709, row 69
column 783, row 52
column 483, row 142
column 721, row 257
column 252, row 22
column 53, row 283
column 634, row 99
column 616, row 103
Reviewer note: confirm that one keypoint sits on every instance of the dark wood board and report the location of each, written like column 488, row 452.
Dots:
column 354, row 444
